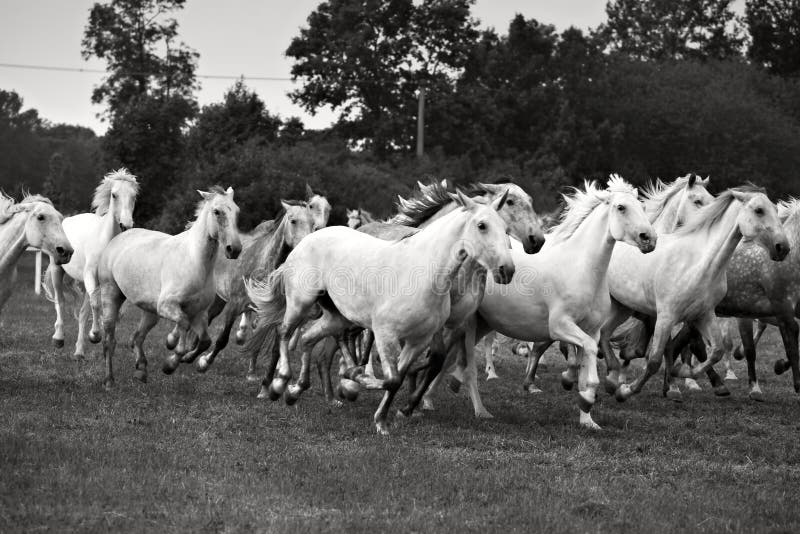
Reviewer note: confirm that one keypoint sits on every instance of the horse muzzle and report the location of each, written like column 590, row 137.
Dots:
column 534, row 243
column 647, row 242
column 232, row 251
column 504, row 274
column 63, row 255
column 780, row 251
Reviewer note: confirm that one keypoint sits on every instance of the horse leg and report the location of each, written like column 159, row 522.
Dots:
column 244, row 327
column 467, row 348
column 83, row 317
column 789, row 333
column 655, row 354
column 394, row 369
column 146, row 323
column 205, row 361
column 534, row 356
column 490, row 344
column 438, row 352
column 112, row 300
column 171, row 310
column 673, row 367
column 709, row 329
column 749, row 349
column 327, row 351
column 57, row 278
column 369, row 341
column 95, row 300
column 617, row 316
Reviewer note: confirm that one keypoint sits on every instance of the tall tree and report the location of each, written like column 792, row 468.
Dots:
column 148, row 90
column 368, row 58
column 774, row 27
column 673, row 29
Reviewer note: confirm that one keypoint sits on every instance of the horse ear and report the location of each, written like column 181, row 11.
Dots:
column 420, row 185
column 702, row 181
column 309, row 192
column 692, row 180
column 285, row 205
column 463, row 200
column 498, row 203
column 229, row 192
column 205, row 194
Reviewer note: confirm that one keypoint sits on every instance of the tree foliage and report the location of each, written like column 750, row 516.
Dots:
column 774, row 27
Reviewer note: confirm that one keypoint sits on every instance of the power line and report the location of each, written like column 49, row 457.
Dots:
column 99, row 71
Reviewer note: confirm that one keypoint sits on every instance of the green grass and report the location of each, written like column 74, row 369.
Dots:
column 194, row 452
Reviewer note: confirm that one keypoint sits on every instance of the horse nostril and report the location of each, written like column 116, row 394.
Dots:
column 644, row 236
column 60, row 251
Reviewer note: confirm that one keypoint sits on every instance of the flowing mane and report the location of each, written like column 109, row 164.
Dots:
column 709, row 215
column 658, row 194
column 423, row 205
column 217, row 190
column 580, row 204
column 8, row 206
column 788, row 208
column 102, row 195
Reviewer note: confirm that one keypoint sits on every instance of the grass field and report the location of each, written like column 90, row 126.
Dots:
column 194, row 452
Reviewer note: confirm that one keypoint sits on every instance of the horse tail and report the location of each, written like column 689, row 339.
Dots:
column 628, row 337
column 69, row 287
column 269, row 303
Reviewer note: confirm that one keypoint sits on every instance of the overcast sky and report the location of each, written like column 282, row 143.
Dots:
column 244, row 37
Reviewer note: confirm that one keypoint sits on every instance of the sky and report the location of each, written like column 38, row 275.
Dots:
column 245, row 37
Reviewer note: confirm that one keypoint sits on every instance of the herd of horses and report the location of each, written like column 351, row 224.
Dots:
column 622, row 274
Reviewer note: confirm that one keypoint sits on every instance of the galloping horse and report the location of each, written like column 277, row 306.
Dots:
column 685, row 278
column 167, row 276
column 262, row 251
column 33, row 222
column 400, row 290
column 359, row 217
column 561, row 293
column 89, row 233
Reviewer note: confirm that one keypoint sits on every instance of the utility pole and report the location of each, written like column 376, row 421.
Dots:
column 421, row 122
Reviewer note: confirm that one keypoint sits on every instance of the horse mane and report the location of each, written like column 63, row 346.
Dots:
column 9, row 207
column 422, row 205
column 580, row 204
column 788, row 208
column 658, row 194
column 709, row 215
column 102, row 194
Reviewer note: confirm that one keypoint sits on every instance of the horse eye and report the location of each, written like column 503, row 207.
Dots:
column 40, row 217
column 621, row 208
column 216, row 212
column 113, row 195
column 759, row 211
column 510, row 202
column 481, row 226
column 292, row 221
column 698, row 202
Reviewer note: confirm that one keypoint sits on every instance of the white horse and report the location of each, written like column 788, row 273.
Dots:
column 320, row 210
column 167, row 276
column 561, row 293
column 359, row 217
column 400, row 290
column 33, row 222
column 89, row 233
column 685, row 279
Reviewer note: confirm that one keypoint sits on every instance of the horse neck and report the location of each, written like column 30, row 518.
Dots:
column 594, row 242
column 202, row 245
column 109, row 226
column 275, row 247
column 667, row 219
column 721, row 241
column 13, row 240
column 435, row 243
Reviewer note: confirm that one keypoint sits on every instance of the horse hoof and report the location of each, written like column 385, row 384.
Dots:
column 484, row 415
column 692, row 385
column 335, row 403
column 140, row 375
column 730, row 375
column 682, row 371
column 722, row 391
column 95, row 337
column 382, row 429
column 108, row 384
column 278, row 386
column 292, row 395
column 674, row 395
column 532, row 389
column 427, row 404
column 417, row 414
column 453, row 384
column 170, row 364
column 566, row 381
column 738, row 354
column 202, row 364
column 348, row 389
column 263, row 393
column 240, row 338
column 622, row 393
column 585, row 401
column 781, row 366
column 492, row 376
column 58, row 343
column 756, row 396
column 252, row 377
column 172, row 341
column 272, row 394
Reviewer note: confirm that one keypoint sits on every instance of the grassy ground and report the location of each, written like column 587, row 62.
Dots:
column 193, row 452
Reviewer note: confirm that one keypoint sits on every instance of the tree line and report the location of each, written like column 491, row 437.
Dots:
column 657, row 90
